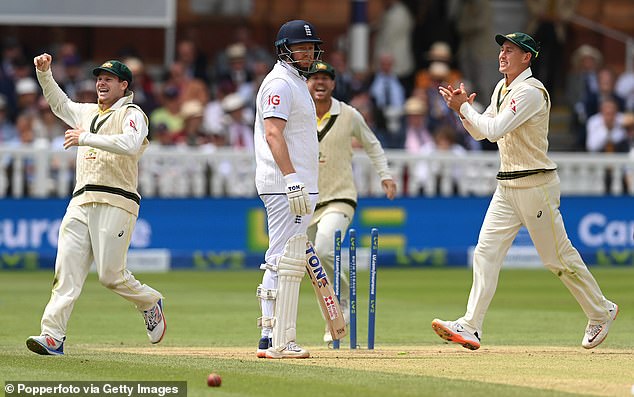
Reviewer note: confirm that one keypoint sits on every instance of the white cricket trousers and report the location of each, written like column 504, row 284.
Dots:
column 88, row 232
column 536, row 208
column 282, row 225
column 322, row 234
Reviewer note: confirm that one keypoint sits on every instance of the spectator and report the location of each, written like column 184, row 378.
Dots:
column 194, row 62
column 445, row 139
column 388, row 96
column 254, row 52
column 582, row 84
column 239, row 73
column 192, row 133
column 86, row 92
column 628, row 125
column 213, row 113
column 142, row 85
column 418, row 139
column 239, row 129
column 26, row 139
column 12, row 52
column 47, row 126
column 344, row 79
column 394, row 35
column 625, row 89
column 439, row 114
column 605, row 131
column 169, row 112
column 162, row 136
column 73, row 76
column 65, row 53
column 187, row 87
column 605, row 85
column 27, row 93
column 607, row 135
column 606, row 80
column 249, row 91
column 8, row 132
column 439, row 55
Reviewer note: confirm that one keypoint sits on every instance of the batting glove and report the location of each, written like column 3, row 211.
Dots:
column 298, row 200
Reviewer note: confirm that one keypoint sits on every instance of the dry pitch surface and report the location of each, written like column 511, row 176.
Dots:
column 600, row 372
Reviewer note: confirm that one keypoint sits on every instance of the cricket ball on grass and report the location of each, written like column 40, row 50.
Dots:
column 214, row 380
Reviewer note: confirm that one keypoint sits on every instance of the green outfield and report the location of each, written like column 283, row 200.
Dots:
column 530, row 346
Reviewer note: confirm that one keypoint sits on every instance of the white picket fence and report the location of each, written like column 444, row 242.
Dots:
column 199, row 172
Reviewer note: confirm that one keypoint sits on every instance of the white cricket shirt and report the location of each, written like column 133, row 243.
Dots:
column 284, row 94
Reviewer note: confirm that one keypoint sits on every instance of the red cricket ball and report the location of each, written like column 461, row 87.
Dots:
column 214, row 380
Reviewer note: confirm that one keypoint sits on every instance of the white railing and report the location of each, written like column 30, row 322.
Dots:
column 29, row 172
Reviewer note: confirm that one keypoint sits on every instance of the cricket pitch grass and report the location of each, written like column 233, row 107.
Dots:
column 531, row 343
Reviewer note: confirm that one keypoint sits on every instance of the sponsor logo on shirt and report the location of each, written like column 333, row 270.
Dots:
column 513, row 106
column 274, row 100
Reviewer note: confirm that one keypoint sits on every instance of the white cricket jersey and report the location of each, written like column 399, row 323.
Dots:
column 284, row 94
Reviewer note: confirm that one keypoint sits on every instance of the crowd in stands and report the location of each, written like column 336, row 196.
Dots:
column 207, row 100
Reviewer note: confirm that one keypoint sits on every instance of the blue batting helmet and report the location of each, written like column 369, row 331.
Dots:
column 295, row 32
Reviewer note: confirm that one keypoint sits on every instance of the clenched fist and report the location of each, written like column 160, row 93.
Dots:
column 42, row 62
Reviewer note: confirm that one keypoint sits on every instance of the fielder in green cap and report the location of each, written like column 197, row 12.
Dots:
column 527, row 195
column 338, row 126
column 109, row 136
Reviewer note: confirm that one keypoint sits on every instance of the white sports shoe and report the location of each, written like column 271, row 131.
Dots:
column 291, row 350
column 45, row 345
column 155, row 322
column 454, row 332
column 596, row 333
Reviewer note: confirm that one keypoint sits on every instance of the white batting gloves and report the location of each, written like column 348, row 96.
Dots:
column 298, row 200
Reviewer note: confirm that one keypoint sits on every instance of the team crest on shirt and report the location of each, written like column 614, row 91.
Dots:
column 91, row 154
column 513, row 106
column 322, row 158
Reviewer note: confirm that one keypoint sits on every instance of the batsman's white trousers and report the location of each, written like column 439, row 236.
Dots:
column 536, row 208
column 282, row 225
column 88, row 232
column 322, row 234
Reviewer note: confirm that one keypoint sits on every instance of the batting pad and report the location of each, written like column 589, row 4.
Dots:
column 290, row 271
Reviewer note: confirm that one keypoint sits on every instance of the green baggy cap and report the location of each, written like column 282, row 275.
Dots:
column 322, row 67
column 115, row 67
column 522, row 40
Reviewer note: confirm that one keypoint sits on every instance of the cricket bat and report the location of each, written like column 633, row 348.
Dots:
column 326, row 296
